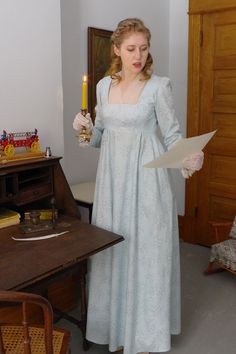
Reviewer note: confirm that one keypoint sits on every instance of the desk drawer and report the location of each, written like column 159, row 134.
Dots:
column 34, row 193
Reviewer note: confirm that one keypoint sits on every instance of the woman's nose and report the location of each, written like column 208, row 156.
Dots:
column 137, row 53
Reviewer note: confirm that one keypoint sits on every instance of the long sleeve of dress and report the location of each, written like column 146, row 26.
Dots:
column 98, row 127
column 165, row 112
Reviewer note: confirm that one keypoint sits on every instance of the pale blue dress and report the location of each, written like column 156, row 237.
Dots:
column 134, row 286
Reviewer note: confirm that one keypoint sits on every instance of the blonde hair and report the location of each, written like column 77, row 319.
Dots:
column 124, row 28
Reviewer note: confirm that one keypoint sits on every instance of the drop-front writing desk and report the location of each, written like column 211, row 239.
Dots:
column 34, row 265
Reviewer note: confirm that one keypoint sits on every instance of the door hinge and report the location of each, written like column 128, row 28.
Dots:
column 201, row 38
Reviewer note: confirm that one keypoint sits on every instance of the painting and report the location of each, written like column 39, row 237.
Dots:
column 99, row 49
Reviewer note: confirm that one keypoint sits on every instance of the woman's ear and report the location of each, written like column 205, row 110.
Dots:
column 116, row 50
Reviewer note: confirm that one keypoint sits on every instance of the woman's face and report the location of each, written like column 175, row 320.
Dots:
column 133, row 52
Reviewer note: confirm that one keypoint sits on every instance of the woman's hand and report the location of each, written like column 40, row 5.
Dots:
column 81, row 121
column 192, row 163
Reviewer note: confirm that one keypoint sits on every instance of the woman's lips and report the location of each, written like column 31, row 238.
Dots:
column 137, row 65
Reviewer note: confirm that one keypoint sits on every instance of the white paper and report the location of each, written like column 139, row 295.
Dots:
column 39, row 237
column 174, row 157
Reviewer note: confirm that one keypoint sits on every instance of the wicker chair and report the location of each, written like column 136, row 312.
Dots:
column 27, row 339
column 223, row 253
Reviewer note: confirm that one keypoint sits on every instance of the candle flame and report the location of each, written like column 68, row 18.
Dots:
column 84, row 78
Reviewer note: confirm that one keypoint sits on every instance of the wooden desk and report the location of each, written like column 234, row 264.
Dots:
column 34, row 265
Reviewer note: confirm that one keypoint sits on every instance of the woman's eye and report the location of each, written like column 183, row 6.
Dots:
column 142, row 49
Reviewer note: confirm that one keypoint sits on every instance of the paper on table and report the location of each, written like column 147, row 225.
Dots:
column 174, row 157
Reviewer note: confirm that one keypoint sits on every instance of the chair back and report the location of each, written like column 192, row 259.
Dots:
column 232, row 233
column 25, row 299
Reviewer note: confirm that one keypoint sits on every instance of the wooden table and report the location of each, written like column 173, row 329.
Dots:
column 33, row 265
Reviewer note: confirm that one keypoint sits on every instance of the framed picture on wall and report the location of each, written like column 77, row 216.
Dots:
column 99, row 49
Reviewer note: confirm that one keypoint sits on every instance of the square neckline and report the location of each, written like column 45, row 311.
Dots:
column 125, row 104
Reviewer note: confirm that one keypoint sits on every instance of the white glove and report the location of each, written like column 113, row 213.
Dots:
column 81, row 121
column 192, row 163
column 187, row 173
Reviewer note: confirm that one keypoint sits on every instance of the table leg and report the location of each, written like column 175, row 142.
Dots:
column 83, row 301
column 90, row 213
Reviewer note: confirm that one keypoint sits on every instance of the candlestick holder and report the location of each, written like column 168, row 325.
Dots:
column 85, row 134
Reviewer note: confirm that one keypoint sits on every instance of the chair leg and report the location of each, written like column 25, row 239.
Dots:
column 212, row 270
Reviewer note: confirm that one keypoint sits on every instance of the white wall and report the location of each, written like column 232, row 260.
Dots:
column 77, row 15
column 178, row 65
column 30, row 70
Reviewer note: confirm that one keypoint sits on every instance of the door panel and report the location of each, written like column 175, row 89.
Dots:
column 217, row 179
column 225, row 124
column 221, row 205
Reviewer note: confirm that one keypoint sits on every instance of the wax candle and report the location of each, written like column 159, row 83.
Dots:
column 84, row 93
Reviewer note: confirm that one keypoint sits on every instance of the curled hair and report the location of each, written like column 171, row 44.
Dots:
column 124, row 28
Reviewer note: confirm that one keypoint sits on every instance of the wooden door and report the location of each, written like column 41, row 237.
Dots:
column 213, row 190
column 217, row 192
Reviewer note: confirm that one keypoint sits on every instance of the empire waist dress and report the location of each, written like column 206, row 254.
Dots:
column 134, row 286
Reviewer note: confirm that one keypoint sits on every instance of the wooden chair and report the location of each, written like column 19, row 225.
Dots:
column 223, row 253
column 30, row 339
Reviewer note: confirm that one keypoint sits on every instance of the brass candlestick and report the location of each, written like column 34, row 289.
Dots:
column 84, row 136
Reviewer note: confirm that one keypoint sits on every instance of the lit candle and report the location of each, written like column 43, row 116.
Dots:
column 84, row 93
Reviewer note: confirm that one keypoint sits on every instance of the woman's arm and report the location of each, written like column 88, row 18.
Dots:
column 165, row 113
column 170, row 129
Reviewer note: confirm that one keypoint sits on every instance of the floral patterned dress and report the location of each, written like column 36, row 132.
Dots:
column 134, row 286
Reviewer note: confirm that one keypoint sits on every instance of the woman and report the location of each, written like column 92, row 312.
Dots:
column 134, row 287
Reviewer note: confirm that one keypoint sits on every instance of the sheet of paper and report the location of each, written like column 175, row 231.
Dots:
column 187, row 146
